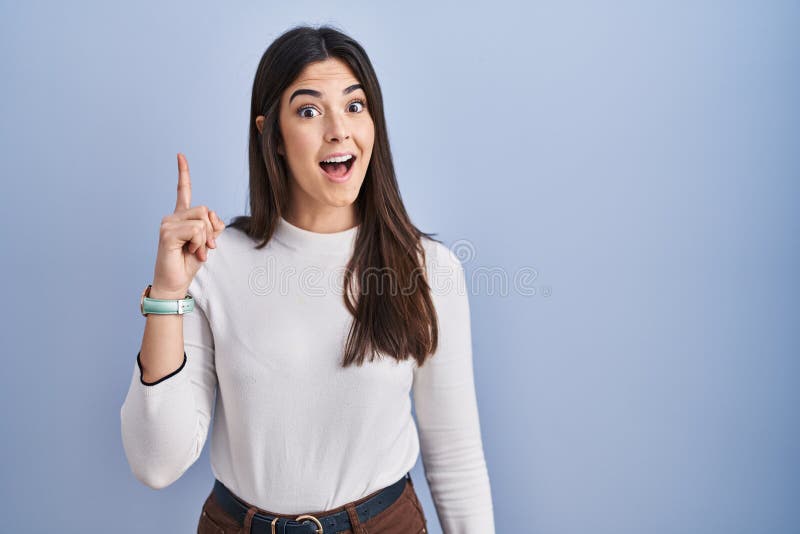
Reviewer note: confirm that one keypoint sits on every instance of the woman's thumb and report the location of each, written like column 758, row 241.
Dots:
column 216, row 223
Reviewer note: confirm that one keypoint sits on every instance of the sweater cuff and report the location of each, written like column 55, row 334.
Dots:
column 173, row 373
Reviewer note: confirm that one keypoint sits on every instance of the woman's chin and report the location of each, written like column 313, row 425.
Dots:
column 341, row 200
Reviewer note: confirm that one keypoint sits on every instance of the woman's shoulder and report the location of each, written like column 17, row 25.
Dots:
column 443, row 265
column 439, row 255
column 234, row 251
column 232, row 243
column 232, row 247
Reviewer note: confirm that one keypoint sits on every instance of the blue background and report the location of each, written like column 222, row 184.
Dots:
column 641, row 157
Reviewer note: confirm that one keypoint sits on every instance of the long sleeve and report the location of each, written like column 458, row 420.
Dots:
column 447, row 414
column 165, row 425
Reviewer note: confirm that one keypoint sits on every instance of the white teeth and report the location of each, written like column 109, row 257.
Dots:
column 339, row 159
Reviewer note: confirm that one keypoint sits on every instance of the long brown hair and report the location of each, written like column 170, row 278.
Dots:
column 400, row 324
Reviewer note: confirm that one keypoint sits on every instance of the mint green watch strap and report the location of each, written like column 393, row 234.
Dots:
column 165, row 306
column 168, row 306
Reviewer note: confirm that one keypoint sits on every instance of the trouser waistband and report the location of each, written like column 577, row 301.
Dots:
column 307, row 523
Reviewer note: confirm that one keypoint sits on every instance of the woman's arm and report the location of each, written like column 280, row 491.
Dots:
column 165, row 425
column 447, row 411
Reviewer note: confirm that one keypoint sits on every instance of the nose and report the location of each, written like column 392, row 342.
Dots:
column 336, row 129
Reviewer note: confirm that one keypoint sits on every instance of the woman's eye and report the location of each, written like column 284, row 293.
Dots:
column 302, row 110
column 354, row 102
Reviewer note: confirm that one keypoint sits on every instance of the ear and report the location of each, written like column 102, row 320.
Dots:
column 260, row 126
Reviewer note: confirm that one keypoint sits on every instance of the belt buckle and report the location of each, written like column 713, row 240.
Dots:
column 312, row 518
column 298, row 518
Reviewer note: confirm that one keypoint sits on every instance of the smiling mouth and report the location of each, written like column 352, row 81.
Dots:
column 338, row 170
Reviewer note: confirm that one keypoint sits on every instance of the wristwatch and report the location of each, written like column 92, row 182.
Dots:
column 164, row 306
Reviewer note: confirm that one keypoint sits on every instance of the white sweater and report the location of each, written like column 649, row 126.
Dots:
column 294, row 431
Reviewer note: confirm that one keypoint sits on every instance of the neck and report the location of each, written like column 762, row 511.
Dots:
column 339, row 243
column 323, row 221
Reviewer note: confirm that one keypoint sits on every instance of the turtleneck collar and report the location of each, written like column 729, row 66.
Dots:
column 314, row 242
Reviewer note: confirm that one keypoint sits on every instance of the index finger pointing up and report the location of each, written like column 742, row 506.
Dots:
column 184, row 200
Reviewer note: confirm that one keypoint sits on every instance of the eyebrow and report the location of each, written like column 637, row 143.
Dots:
column 317, row 94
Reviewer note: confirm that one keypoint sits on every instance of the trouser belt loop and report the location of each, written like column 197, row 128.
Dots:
column 356, row 525
column 248, row 520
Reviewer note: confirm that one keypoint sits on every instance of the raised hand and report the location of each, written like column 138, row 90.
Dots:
column 184, row 239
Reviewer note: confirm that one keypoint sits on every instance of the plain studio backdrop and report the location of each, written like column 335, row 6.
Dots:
column 620, row 179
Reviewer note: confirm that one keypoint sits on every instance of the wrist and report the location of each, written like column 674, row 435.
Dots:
column 158, row 293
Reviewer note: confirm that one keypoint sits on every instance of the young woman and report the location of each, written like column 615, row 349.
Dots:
column 309, row 324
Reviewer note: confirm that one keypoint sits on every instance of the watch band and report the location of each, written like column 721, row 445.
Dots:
column 164, row 306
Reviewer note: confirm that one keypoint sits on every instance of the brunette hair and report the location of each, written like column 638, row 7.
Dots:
column 398, row 324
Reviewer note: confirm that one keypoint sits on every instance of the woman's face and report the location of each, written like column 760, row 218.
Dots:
column 328, row 115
